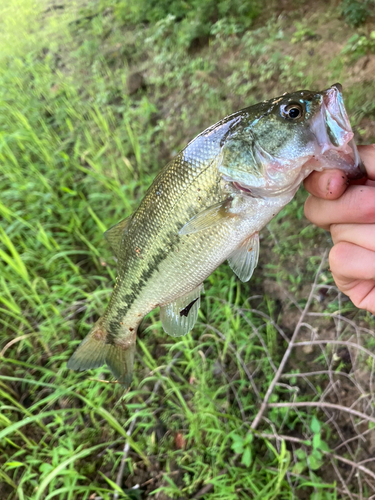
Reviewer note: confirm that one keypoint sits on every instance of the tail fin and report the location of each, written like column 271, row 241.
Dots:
column 94, row 352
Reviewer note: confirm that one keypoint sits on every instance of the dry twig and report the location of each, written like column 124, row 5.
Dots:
column 323, row 404
column 288, row 351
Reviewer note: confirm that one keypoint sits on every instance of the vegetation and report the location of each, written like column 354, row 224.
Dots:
column 94, row 99
column 356, row 12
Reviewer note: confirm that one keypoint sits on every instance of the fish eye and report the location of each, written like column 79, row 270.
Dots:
column 292, row 111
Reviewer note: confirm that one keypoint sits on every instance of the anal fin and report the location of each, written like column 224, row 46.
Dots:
column 179, row 317
column 244, row 259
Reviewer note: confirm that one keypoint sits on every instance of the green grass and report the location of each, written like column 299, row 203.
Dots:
column 78, row 149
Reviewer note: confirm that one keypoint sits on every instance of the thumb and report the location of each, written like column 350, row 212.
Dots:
column 328, row 184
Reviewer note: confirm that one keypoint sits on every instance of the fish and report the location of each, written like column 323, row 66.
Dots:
column 207, row 205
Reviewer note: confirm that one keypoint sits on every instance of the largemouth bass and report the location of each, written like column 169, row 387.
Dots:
column 208, row 205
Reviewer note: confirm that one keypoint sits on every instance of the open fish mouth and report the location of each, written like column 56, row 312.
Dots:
column 242, row 188
column 336, row 146
column 321, row 138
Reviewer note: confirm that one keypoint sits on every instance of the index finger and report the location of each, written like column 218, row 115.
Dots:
column 355, row 206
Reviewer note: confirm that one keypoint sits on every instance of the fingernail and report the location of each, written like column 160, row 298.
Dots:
column 324, row 184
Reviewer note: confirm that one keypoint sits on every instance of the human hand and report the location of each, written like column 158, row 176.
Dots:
column 347, row 209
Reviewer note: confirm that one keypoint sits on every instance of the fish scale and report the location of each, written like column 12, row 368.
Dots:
column 160, row 217
column 208, row 205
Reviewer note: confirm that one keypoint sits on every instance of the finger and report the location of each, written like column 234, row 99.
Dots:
column 353, row 269
column 362, row 235
column 356, row 205
column 328, row 184
column 367, row 154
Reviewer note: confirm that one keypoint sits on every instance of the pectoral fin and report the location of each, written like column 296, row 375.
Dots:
column 114, row 235
column 179, row 317
column 244, row 259
column 212, row 216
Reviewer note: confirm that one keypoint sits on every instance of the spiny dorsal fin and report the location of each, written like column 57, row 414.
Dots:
column 179, row 317
column 114, row 235
column 244, row 259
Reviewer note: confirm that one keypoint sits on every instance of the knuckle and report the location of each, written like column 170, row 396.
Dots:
column 363, row 203
column 311, row 210
column 335, row 230
column 338, row 256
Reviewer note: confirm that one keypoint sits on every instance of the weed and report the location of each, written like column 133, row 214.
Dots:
column 356, row 12
column 359, row 45
column 194, row 21
column 302, row 32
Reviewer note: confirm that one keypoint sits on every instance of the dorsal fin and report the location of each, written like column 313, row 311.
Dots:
column 114, row 235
